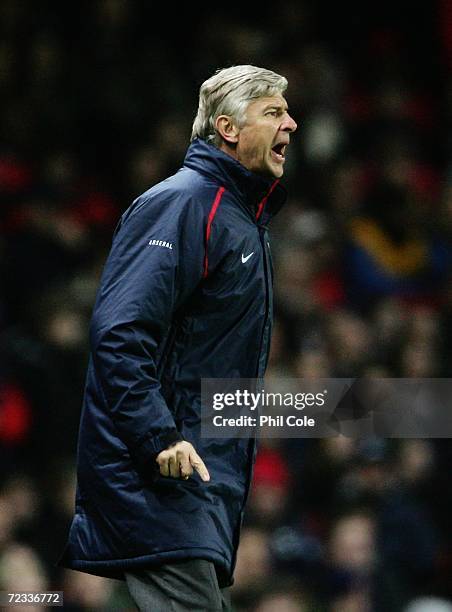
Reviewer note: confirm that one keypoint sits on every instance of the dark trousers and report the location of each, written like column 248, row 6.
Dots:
column 182, row 586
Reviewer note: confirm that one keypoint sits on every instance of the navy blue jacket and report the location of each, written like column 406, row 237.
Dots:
column 175, row 304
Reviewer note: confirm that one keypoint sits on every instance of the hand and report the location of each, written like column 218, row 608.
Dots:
column 179, row 460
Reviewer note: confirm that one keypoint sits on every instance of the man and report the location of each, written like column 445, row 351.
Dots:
column 186, row 294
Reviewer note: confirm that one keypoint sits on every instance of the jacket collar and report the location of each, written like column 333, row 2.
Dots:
column 263, row 197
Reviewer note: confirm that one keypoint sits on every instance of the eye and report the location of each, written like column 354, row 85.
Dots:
column 273, row 113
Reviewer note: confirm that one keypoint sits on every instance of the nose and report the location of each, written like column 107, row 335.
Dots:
column 288, row 125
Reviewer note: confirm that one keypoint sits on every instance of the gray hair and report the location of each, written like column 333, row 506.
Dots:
column 228, row 92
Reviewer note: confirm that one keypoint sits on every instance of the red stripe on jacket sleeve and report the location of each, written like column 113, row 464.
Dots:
column 212, row 214
column 262, row 203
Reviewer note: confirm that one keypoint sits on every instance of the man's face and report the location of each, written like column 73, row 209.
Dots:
column 262, row 141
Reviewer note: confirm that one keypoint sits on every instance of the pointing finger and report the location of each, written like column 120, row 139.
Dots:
column 199, row 466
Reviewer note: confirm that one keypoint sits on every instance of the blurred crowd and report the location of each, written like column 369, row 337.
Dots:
column 97, row 100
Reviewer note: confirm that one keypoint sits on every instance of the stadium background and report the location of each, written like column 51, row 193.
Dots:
column 96, row 104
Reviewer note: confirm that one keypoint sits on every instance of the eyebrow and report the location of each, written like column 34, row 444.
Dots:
column 276, row 107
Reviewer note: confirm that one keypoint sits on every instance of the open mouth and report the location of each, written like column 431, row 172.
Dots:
column 279, row 151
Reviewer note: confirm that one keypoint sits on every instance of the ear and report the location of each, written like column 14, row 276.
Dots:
column 227, row 129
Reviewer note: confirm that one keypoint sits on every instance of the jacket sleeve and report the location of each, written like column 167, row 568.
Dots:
column 155, row 263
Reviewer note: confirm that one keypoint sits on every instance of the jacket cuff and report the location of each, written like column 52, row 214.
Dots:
column 146, row 453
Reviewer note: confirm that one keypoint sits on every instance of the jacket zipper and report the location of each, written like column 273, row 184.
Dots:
column 252, row 441
column 261, row 230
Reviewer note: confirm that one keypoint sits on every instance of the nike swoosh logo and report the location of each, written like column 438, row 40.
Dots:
column 245, row 259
